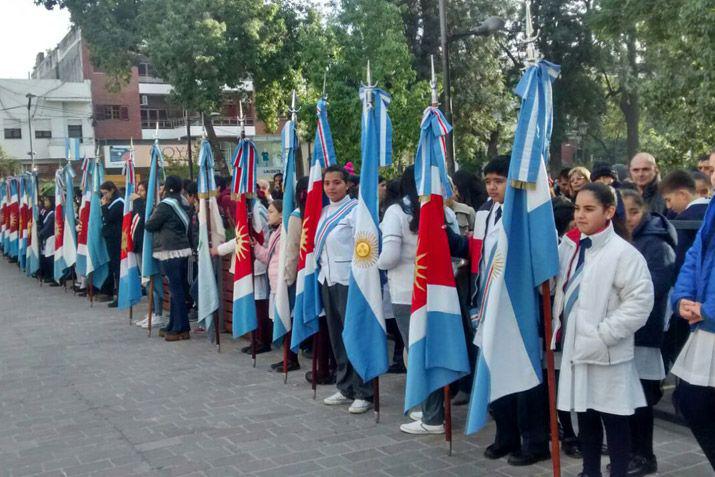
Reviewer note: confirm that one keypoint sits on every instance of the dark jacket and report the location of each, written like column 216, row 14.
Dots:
column 169, row 231
column 139, row 209
column 655, row 239
column 112, row 225
column 652, row 197
column 686, row 237
column 47, row 229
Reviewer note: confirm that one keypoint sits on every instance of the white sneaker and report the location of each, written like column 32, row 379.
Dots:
column 156, row 322
column 359, row 406
column 415, row 415
column 420, row 428
column 142, row 322
column 336, row 399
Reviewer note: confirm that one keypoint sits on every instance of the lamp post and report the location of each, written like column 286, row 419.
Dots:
column 29, row 97
column 488, row 27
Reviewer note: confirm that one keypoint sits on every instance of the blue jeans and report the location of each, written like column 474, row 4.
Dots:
column 175, row 271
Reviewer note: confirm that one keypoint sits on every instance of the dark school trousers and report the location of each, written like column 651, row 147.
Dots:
column 335, row 300
column 521, row 420
column 175, row 271
column 697, row 404
column 642, row 421
column 590, row 435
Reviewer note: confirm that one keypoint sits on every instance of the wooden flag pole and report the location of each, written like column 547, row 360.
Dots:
column 151, row 305
column 551, row 379
column 286, row 345
column 90, row 286
column 448, row 418
column 131, row 314
column 253, row 347
column 314, row 378
column 376, row 397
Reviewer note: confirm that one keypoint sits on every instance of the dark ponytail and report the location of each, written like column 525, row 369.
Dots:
column 409, row 190
column 606, row 196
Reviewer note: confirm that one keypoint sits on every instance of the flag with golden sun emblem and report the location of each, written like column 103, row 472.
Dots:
column 244, row 306
column 364, row 333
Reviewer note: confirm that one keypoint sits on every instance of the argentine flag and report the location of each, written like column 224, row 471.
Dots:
column 364, row 331
column 22, row 221
column 308, row 305
column 526, row 255
column 33, row 244
column 97, row 255
column 14, row 212
column 86, row 188
column 130, row 291
column 210, row 224
column 69, row 239
column 437, row 353
column 150, row 265
column 282, row 308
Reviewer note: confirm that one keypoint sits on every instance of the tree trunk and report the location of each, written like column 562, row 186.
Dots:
column 219, row 162
column 492, row 145
column 629, row 101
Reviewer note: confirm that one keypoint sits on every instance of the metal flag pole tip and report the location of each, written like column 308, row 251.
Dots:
column 433, row 84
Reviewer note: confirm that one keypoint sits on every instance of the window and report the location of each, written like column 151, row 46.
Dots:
column 111, row 111
column 151, row 116
column 43, row 134
column 146, row 69
column 13, row 133
column 75, row 130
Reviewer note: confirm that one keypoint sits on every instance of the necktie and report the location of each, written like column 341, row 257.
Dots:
column 498, row 215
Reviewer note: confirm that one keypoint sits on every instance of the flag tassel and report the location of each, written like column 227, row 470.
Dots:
column 551, row 380
column 448, row 418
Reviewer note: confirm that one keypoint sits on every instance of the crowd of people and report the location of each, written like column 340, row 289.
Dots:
column 632, row 303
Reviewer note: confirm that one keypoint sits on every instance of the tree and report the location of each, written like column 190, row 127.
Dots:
column 8, row 165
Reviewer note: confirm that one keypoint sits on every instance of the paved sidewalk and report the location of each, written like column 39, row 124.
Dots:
column 82, row 393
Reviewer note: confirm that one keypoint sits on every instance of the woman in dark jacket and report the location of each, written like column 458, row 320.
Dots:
column 112, row 215
column 46, row 230
column 655, row 238
column 170, row 225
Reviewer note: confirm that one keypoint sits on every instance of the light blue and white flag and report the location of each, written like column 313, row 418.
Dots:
column 72, row 148
column 308, row 304
column 525, row 256
column 69, row 229
column 33, row 247
column 282, row 310
column 97, row 255
column 130, row 290
column 364, row 332
column 150, row 265
column 22, row 232
column 210, row 228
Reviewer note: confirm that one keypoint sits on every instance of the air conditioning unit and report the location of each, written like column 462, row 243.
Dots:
column 144, row 100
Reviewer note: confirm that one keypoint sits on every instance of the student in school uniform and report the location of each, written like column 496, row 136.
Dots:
column 604, row 294
column 334, row 242
column 46, row 236
column 654, row 237
column 112, row 216
column 520, row 418
column 679, row 192
column 694, row 298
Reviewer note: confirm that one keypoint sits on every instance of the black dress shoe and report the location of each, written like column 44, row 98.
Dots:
column 82, row 292
column 54, row 284
column 571, row 447
column 640, row 465
column 520, row 459
column 320, row 380
column 495, row 451
column 112, row 304
column 259, row 349
column 292, row 366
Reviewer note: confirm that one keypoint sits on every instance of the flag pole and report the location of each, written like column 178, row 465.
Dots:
column 90, row 277
column 151, row 305
column 316, row 348
column 376, row 381
column 551, row 380
column 131, row 158
column 447, row 394
column 286, row 342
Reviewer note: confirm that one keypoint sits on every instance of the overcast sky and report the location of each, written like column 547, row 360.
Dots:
column 25, row 30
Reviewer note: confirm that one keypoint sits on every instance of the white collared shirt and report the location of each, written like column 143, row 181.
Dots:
column 337, row 253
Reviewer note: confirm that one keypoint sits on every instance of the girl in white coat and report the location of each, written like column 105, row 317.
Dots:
column 604, row 294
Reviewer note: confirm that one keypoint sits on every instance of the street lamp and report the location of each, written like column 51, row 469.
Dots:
column 488, row 27
column 29, row 97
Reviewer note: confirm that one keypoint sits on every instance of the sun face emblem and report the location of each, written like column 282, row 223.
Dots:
column 420, row 277
column 242, row 242
column 125, row 240
column 304, row 237
column 365, row 249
